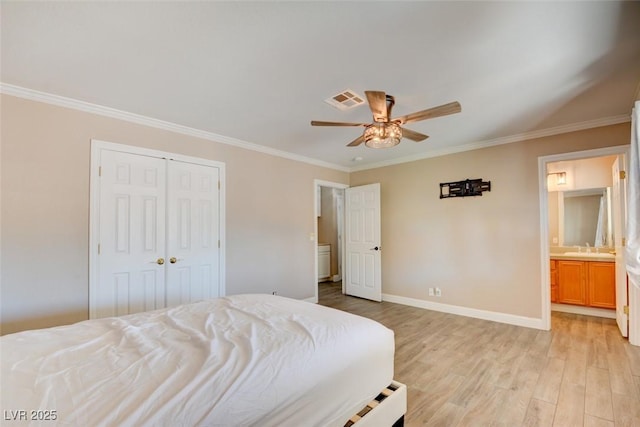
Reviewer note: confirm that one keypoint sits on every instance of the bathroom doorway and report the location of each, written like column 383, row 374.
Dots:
column 577, row 212
column 329, row 231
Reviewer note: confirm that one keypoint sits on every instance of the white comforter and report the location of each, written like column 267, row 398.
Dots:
column 235, row 361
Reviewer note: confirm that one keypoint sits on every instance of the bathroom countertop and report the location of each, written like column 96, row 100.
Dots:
column 584, row 257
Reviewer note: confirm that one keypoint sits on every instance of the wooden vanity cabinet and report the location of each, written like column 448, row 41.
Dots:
column 604, row 275
column 572, row 276
column 554, row 281
column 588, row 283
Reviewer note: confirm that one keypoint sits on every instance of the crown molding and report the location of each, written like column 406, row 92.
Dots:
column 557, row 130
column 87, row 107
column 61, row 101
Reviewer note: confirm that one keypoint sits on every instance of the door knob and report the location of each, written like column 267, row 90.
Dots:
column 160, row 261
column 173, row 260
column 377, row 248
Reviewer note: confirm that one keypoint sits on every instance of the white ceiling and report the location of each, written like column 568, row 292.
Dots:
column 258, row 72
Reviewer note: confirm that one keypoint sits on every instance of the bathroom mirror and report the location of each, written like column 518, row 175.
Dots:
column 586, row 217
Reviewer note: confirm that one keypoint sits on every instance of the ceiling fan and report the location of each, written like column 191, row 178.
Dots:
column 385, row 131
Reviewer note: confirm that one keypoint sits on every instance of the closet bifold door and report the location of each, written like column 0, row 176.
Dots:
column 192, row 232
column 132, row 211
column 158, row 233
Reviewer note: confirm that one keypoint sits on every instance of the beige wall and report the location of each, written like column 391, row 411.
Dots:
column 594, row 172
column 483, row 252
column 554, row 217
column 45, row 211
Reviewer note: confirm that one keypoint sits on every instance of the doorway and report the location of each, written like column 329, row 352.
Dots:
column 553, row 231
column 328, row 233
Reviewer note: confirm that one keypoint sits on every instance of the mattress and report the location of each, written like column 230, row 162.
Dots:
column 242, row 360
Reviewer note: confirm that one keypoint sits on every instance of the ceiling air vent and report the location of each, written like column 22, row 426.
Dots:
column 345, row 100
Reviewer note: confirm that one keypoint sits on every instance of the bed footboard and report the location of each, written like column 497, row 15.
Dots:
column 387, row 409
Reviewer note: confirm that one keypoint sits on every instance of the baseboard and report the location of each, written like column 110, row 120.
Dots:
column 511, row 319
column 311, row 299
column 587, row 311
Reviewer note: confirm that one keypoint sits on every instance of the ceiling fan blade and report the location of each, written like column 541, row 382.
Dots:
column 430, row 113
column 378, row 104
column 359, row 140
column 320, row 123
column 413, row 135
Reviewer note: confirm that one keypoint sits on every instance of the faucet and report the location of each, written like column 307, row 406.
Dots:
column 588, row 248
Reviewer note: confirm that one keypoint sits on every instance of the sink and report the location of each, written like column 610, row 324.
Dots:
column 590, row 255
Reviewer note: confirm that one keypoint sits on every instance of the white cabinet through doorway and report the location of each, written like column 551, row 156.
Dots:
column 156, row 230
column 324, row 262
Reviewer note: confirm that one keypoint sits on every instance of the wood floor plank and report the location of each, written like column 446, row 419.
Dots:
column 620, row 374
column 633, row 354
column 485, row 408
column 598, row 394
column 478, row 382
column 448, row 415
column 597, row 353
column 626, row 411
column 591, row 421
column 548, row 387
column 560, row 344
column 435, row 397
column 513, row 410
column 541, row 343
column 539, row 414
column 570, row 407
column 575, row 368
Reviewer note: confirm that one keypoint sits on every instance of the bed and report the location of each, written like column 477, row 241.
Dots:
column 242, row 360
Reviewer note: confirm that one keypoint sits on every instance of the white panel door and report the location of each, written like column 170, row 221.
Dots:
column 363, row 266
column 619, row 207
column 131, row 270
column 193, row 233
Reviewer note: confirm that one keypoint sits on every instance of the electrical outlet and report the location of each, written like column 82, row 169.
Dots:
column 431, row 292
column 438, row 292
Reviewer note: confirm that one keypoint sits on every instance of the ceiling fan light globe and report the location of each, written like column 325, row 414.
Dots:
column 382, row 135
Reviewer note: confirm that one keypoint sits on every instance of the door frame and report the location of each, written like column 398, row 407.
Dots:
column 94, row 203
column 545, row 291
column 317, row 183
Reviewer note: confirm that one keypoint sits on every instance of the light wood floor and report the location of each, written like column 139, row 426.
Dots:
column 468, row 372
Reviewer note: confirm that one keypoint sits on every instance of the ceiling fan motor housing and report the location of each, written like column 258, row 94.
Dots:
column 382, row 135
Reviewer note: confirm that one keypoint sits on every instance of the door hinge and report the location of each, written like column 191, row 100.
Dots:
column 623, row 174
column 99, row 170
column 624, row 241
column 98, row 248
column 626, row 309
column 218, row 244
column 218, row 185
